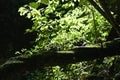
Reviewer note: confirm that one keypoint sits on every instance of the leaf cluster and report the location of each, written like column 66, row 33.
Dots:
column 61, row 24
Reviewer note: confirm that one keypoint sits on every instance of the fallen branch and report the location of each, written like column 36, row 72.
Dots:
column 31, row 62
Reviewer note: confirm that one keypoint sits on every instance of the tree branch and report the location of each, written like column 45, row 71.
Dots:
column 110, row 16
column 97, row 7
column 106, row 13
column 24, row 63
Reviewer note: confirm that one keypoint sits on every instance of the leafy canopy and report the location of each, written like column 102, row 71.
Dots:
column 62, row 24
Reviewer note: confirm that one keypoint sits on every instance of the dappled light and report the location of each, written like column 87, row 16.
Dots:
column 60, row 40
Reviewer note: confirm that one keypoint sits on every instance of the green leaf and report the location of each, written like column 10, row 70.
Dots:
column 44, row 1
column 34, row 4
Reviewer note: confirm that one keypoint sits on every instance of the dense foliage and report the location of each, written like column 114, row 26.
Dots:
column 64, row 24
column 61, row 25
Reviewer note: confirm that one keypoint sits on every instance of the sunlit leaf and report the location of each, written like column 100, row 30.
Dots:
column 34, row 4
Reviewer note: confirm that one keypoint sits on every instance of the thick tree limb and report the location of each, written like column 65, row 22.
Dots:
column 106, row 13
column 97, row 7
column 26, row 62
column 110, row 16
